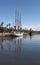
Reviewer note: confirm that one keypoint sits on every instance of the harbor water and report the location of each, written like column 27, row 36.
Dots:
column 20, row 50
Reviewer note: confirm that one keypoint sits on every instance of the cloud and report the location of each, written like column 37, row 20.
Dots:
column 34, row 27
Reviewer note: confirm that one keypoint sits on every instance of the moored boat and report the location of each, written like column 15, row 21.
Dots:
column 16, row 34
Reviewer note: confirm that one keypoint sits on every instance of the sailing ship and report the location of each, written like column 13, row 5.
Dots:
column 17, row 25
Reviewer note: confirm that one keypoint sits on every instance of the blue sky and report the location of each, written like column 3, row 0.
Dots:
column 30, row 11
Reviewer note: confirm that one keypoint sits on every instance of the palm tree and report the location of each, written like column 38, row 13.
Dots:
column 9, row 25
column 6, row 28
column 2, row 24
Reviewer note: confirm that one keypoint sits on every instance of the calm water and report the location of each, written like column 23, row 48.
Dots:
column 20, row 51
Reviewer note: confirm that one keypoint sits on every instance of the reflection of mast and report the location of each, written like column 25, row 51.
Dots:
column 18, row 46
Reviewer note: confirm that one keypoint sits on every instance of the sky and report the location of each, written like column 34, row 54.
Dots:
column 30, row 12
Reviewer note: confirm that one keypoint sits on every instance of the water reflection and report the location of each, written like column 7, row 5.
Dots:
column 18, row 47
column 10, row 44
column 30, row 37
column 27, row 37
column 10, row 50
column 1, row 44
column 20, row 51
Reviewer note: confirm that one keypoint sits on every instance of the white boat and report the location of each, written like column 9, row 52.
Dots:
column 19, row 34
column 16, row 34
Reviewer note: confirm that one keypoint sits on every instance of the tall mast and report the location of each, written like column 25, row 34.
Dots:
column 20, row 20
column 17, row 19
